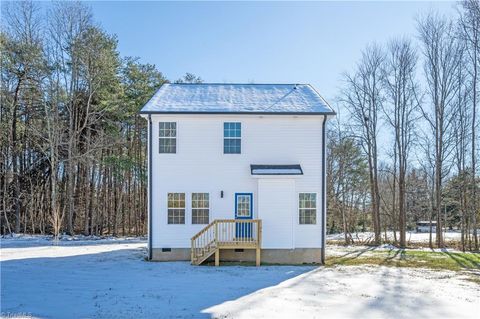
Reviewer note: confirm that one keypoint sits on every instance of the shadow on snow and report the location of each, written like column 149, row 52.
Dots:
column 121, row 284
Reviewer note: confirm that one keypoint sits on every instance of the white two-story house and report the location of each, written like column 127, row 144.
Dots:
column 236, row 172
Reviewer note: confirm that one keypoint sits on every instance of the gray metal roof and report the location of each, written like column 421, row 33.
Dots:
column 294, row 169
column 211, row 98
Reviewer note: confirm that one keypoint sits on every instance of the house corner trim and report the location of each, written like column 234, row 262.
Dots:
column 150, row 187
column 324, row 191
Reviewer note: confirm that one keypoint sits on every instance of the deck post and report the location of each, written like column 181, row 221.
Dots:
column 217, row 257
column 259, row 243
column 259, row 233
column 192, row 250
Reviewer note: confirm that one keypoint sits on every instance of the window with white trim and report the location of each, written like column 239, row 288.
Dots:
column 307, row 208
column 232, row 138
column 167, row 137
column 200, row 208
column 176, row 208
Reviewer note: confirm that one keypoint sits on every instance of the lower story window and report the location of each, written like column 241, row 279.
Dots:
column 307, row 206
column 200, row 208
column 176, row 208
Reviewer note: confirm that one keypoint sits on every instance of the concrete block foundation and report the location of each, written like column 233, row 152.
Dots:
column 296, row 256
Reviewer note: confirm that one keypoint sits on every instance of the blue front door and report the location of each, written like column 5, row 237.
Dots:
column 243, row 210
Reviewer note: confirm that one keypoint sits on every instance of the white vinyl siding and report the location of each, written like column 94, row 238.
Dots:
column 276, row 204
column 201, row 166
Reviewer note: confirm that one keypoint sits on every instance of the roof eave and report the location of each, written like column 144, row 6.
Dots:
column 332, row 113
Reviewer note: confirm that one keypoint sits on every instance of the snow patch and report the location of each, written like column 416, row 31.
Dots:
column 111, row 279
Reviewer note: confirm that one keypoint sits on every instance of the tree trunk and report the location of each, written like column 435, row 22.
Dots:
column 15, row 171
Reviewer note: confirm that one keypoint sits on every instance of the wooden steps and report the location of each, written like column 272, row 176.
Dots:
column 203, row 256
column 204, row 253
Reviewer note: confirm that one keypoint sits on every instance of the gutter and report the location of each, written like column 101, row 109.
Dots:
column 150, row 187
column 324, row 191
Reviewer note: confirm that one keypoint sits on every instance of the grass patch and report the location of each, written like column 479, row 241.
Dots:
column 456, row 261
column 252, row 264
column 454, row 244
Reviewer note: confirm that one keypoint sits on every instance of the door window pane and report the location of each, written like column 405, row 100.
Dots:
column 243, row 205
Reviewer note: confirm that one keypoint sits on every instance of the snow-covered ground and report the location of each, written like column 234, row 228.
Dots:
column 20, row 240
column 110, row 279
column 412, row 237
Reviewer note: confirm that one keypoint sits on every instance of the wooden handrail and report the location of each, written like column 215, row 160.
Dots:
column 236, row 220
column 224, row 221
column 204, row 229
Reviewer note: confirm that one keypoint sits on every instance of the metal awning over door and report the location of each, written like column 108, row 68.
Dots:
column 294, row 169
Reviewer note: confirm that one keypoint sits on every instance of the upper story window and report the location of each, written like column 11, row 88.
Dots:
column 232, row 138
column 167, row 137
column 176, row 208
column 200, row 208
column 307, row 207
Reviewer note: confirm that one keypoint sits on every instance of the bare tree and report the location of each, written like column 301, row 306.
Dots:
column 442, row 57
column 470, row 26
column 461, row 138
column 363, row 98
column 400, row 87
column 347, row 179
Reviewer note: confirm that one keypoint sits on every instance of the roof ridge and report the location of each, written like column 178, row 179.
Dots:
column 237, row 83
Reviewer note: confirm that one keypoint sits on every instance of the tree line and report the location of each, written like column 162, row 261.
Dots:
column 405, row 146
column 72, row 147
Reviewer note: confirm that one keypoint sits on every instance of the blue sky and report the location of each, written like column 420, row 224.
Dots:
column 261, row 42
